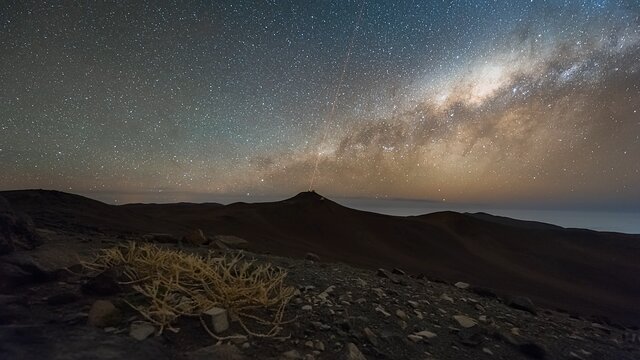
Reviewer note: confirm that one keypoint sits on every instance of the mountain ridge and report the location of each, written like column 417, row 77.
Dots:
column 578, row 270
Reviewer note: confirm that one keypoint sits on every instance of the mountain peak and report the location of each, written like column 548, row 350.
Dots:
column 308, row 196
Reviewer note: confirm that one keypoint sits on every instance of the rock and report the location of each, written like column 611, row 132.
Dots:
column 471, row 336
column 103, row 314
column 219, row 319
column 361, row 282
column 426, row 334
column 465, row 321
column 312, row 257
column 381, row 310
column 218, row 352
column 104, row 284
column 371, row 336
column 401, row 314
column 461, row 285
column 291, row 354
column 446, row 298
column 62, row 298
column 196, row 238
column 353, row 353
column 141, row 330
column 413, row 304
column 161, row 238
column 398, row 271
column 230, row 240
column 521, row 303
column 487, row 351
column 319, row 345
column 307, row 307
column 16, row 230
column 383, row 273
column 414, row 338
column 309, row 344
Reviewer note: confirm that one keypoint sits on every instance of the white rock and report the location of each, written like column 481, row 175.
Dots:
column 414, row 338
column 291, row 354
column 401, row 314
column 446, row 297
column 219, row 319
column 465, row 321
column 353, row 353
column 487, row 351
column 141, row 330
column 382, row 310
column 461, row 285
column 426, row 334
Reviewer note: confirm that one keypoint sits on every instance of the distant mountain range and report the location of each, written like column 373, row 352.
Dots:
column 577, row 270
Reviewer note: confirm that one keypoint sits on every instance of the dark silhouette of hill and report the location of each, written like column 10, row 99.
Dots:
column 582, row 271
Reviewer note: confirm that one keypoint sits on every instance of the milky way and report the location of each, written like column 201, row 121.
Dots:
column 463, row 101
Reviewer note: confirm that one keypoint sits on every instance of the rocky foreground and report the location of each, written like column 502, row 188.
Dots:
column 49, row 310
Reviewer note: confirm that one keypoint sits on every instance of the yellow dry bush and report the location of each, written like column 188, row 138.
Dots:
column 175, row 283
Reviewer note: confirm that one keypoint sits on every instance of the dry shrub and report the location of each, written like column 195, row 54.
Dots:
column 175, row 283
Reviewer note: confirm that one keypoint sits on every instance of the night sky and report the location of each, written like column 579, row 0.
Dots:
column 458, row 101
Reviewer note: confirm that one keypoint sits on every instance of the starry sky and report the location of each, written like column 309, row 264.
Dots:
column 458, row 101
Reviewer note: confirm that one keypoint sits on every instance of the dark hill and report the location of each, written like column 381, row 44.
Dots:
column 579, row 270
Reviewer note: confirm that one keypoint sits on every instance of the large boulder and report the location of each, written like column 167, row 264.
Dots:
column 16, row 230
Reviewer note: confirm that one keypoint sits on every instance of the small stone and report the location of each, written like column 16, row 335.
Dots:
column 309, row 357
column 219, row 319
column 379, row 292
column 461, row 285
column 361, row 282
column 103, row 314
column 426, row 334
column 309, row 344
column 515, row 331
column 487, row 351
column 141, row 330
column 371, row 336
column 383, row 273
column 465, row 321
column 382, row 310
column 446, row 297
column 414, row 338
column 413, row 304
column 398, row 271
column 353, row 353
column 291, row 354
column 401, row 314
column 318, row 345
column 307, row 307
column 482, row 318
column 245, row 345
